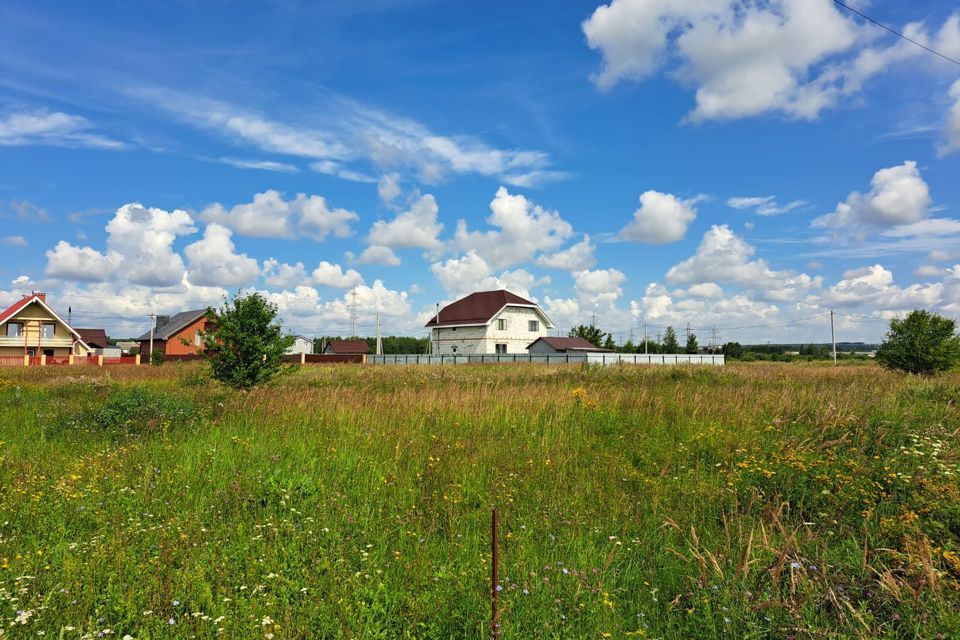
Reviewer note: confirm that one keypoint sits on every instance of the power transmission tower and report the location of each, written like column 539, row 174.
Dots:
column 713, row 340
column 645, row 347
column 354, row 312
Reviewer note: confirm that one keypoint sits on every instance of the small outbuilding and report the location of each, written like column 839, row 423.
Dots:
column 97, row 340
column 347, row 348
column 555, row 344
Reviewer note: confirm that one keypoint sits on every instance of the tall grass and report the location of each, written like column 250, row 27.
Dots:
column 753, row 501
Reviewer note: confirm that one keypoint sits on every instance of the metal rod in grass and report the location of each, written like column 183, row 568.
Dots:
column 494, row 577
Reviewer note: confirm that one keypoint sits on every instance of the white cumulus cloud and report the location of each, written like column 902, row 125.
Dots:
column 523, row 229
column 333, row 275
column 662, row 218
column 215, row 262
column 898, row 196
column 417, row 227
column 270, row 216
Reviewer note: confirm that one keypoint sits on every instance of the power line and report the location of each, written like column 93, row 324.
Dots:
column 897, row 33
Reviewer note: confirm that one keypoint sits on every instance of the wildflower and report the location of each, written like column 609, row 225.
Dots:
column 171, row 621
column 176, row 603
column 267, row 621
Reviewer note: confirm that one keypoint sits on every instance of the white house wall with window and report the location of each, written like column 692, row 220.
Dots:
column 488, row 322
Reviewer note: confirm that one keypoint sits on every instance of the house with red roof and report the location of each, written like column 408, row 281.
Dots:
column 488, row 322
column 346, row 347
column 29, row 327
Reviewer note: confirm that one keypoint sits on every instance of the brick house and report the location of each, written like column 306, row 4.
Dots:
column 176, row 335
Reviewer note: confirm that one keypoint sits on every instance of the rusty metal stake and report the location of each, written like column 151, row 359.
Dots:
column 495, row 578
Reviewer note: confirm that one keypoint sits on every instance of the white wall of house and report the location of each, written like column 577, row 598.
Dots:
column 514, row 333
column 301, row 345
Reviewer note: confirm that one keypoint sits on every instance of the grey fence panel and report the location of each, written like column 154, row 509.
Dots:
column 559, row 358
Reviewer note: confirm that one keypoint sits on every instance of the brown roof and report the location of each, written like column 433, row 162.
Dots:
column 348, row 346
column 568, row 344
column 477, row 308
column 94, row 337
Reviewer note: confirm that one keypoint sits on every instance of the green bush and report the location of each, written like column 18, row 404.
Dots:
column 924, row 343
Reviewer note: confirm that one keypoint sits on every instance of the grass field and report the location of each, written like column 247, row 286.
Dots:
column 752, row 501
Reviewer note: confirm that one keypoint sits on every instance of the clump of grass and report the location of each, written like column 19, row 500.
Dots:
column 126, row 411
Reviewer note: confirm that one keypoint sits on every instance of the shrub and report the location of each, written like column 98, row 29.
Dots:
column 246, row 345
column 924, row 343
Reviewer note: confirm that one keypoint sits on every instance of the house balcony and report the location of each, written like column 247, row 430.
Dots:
column 34, row 342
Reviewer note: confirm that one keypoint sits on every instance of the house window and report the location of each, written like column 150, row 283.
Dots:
column 48, row 353
column 454, row 349
column 196, row 339
column 501, row 348
column 533, row 325
column 47, row 331
column 14, row 330
column 501, row 324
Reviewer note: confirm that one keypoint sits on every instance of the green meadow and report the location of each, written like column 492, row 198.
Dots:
column 751, row 501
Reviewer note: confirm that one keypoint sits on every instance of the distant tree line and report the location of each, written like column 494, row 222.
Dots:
column 669, row 344
column 391, row 344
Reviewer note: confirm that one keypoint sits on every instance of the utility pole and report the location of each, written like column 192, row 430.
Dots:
column 688, row 332
column 713, row 345
column 153, row 324
column 593, row 321
column 833, row 337
column 379, row 342
column 70, row 315
column 646, row 350
column 437, row 328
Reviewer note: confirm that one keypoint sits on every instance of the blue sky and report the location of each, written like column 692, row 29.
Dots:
column 727, row 164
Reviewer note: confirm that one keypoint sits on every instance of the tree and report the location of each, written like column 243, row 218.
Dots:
column 588, row 332
column 649, row 347
column 628, row 347
column 670, row 344
column 244, row 345
column 608, row 343
column 692, row 343
column 733, row 350
column 923, row 343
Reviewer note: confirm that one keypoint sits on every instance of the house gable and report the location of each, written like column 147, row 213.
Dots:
column 33, row 313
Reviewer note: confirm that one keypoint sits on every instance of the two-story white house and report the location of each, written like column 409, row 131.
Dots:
column 488, row 322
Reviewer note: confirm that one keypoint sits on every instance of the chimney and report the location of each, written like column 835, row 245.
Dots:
column 162, row 321
column 39, row 294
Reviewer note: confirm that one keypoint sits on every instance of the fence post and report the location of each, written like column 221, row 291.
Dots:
column 26, row 360
column 303, row 358
column 136, row 360
column 43, row 359
column 99, row 361
column 70, row 359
